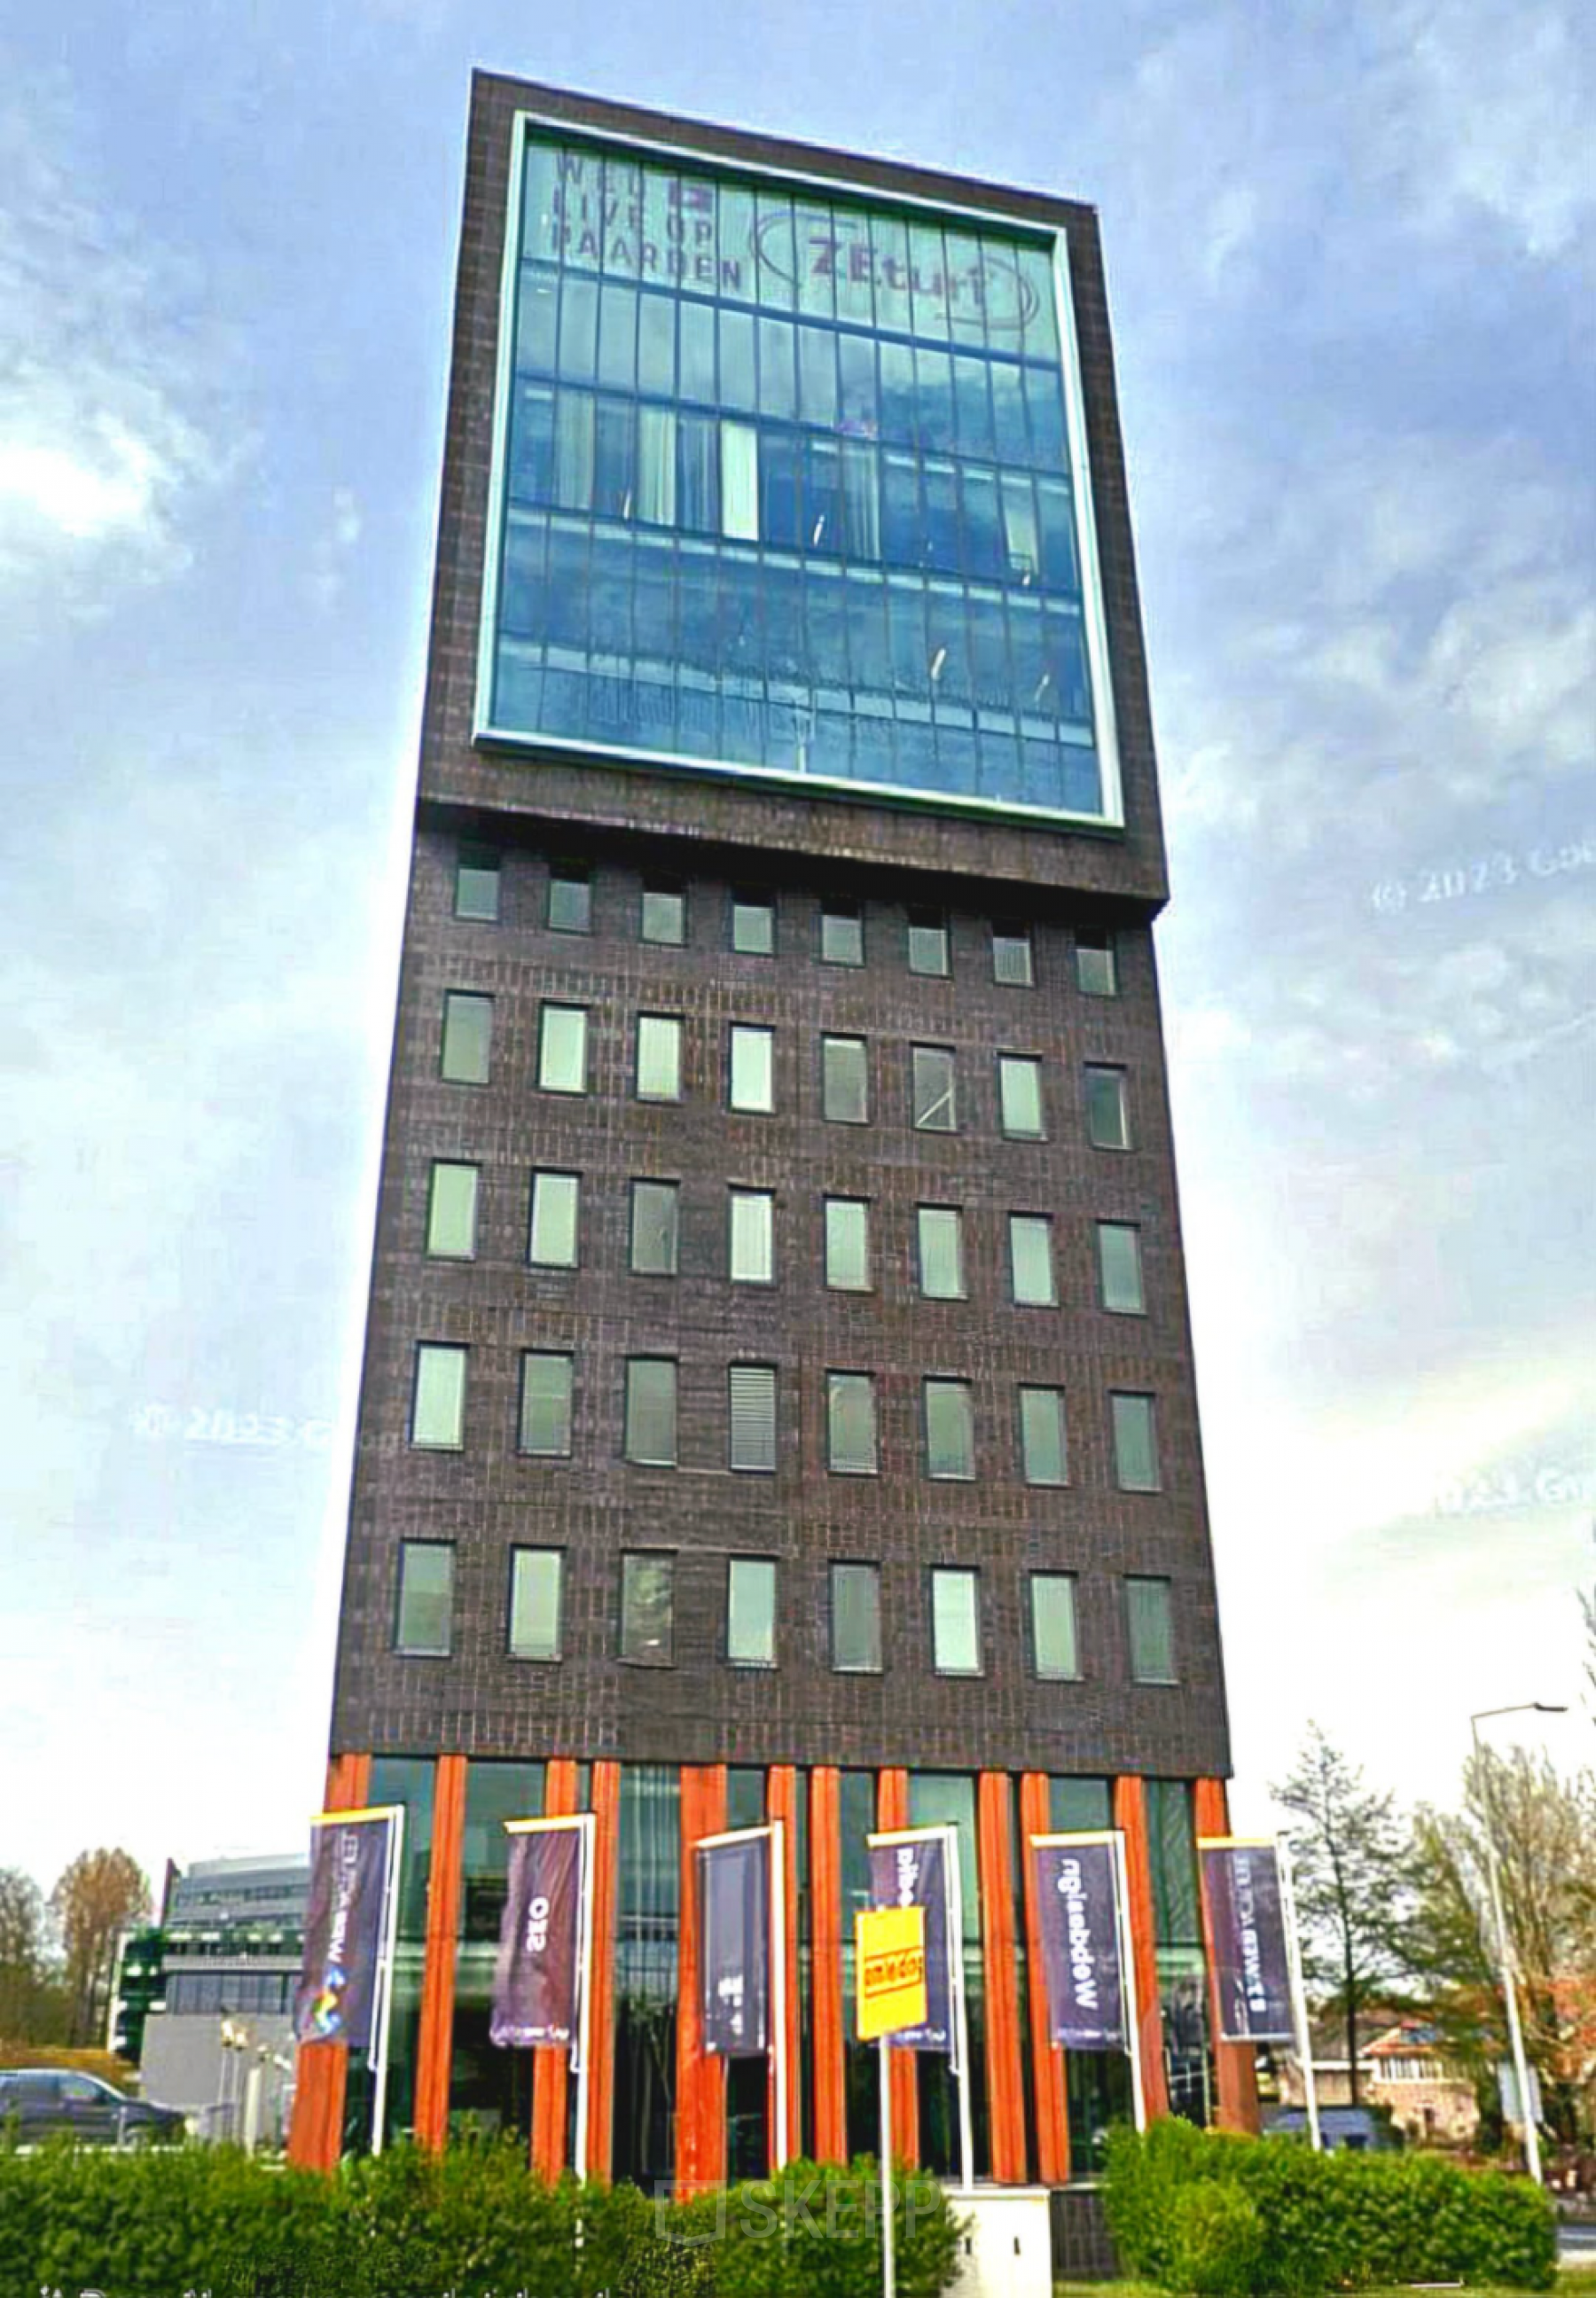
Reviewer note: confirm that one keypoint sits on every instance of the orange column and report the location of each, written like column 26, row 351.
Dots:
column 1235, row 2062
column 700, row 2080
column 605, row 1797
column 1130, row 1814
column 434, row 2039
column 826, row 1945
column 1005, row 2081
column 892, row 1812
column 551, row 2069
column 316, row 2134
column 1047, row 2065
column 781, row 1803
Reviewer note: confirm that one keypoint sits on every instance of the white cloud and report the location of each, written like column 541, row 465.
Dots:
column 334, row 547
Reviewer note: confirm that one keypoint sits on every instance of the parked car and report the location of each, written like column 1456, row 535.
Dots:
column 39, row 2102
column 1357, row 2129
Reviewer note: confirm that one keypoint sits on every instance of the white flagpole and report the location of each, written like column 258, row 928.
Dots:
column 955, row 1925
column 778, row 1967
column 587, row 1826
column 379, row 2088
column 1299, row 1993
column 889, row 2269
column 1127, row 1951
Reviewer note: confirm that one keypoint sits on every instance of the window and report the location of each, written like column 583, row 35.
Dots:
column 551, row 1238
column 847, row 1245
column 928, row 942
column 955, row 1621
column 664, row 914
column 1151, row 1630
column 932, row 1084
column 438, row 1411
column 1108, row 1127
column 654, row 1205
column 752, row 1407
column 949, row 1431
column 842, row 934
column 844, row 1080
column 751, row 1242
column 850, row 1424
column 468, row 1037
column 1031, row 1260
column 570, row 901
column 1019, row 1097
column 753, row 925
column 1012, row 962
column 1097, row 973
column 1052, row 1626
column 647, row 1605
column 562, row 1049
column 536, row 1576
column 1043, row 1458
column 751, row 1611
column 1119, row 1267
column 659, row 1057
column 1136, row 1447
column 452, row 1212
column 546, row 1404
column 651, row 1411
column 752, row 1066
column 856, row 1619
column 940, row 1237
column 477, row 884
column 426, row 1599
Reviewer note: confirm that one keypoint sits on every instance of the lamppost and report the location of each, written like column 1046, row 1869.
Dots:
column 1510, row 1985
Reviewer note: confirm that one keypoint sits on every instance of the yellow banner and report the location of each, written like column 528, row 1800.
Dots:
column 889, row 1955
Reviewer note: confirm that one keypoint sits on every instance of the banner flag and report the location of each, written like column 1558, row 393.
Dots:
column 1251, row 1970
column 535, row 1981
column 911, row 1871
column 734, row 1945
column 1079, row 1917
column 336, row 1994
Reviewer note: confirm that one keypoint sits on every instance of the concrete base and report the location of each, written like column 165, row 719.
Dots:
column 1007, row 2250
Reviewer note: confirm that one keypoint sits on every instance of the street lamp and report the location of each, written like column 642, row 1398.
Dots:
column 1509, row 1987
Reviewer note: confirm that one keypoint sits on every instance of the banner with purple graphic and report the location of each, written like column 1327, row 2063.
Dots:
column 1078, row 1895
column 734, row 1916
column 536, row 1976
column 335, row 1999
column 1251, row 1971
column 911, row 1871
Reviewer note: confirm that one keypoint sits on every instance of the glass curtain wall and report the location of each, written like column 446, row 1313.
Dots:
column 1177, row 1928
column 645, row 1977
column 490, row 2089
column 748, row 2088
column 857, row 1807
column 408, row 1781
column 936, row 1799
column 1097, row 2086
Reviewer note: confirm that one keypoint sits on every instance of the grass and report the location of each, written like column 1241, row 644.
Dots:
column 1575, row 2278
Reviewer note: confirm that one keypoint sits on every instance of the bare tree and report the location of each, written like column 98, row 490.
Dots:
column 99, row 1895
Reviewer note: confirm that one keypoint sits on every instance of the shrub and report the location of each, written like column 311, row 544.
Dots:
column 1217, row 2239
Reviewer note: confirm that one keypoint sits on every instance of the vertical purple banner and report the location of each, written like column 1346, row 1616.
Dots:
column 1251, row 1971
column 1078, row 1908
column 336, row 1993
column 734, row 1946
column 535, row 1975
column 913, row 1872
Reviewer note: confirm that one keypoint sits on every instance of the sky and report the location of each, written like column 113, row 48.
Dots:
column 1350, row 262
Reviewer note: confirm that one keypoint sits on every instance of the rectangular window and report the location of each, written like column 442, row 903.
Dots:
column 659, row 1057
column 562, row 1049
column 739, row 482
column 928, row 942
column 1108, row 1125
column 751, row 1397
column 847, row 1245
column 932, row 1084
column 1119, row 1267
column 536, row 1577
column 949, row 1431
column 546, row 1404
column 753, row 1069
column 551, row 1237
column 654, row 1227
column 570, row 901
column 650, row 1438
column 856, row 1619
column 438, row 1410
column 1043, row 1458
column 955, row 1621
column 940, row 1235
column 664, row 914
column 844, row 1081
column 1151, row 1630
column 751, row 1240
column 1031, row 1260
column 1012, row 962
column 751, row 1611
column 753, row 925
column 468, row 1037
column 477, row 884
column 1019, row 1097
column 850, row 1424
column 426, row 1599
column 452, row 1212
column 1096, row 974
column 1135, row 1444
column 1052, row 1626
column 841, row 934
column 648, row 1588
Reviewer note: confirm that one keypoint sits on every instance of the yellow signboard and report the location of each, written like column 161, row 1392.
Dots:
column 889, row 1950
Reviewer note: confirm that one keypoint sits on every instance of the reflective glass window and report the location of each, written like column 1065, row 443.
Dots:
column 1053, row 1644
column 562, row 1049
column 1031, row 1260
column 536, row 1575
column 664, row 915
column 1119, row 1267
column 1020, row 1097
column 753, row 925
column 1012, row 957
column 654, row 1218
column 751, row 1246
column 850, row 1424
column 940, row 1237
column 451, row 1211
column 648, row 1595
column 468, row 1037
column 847, row 1245
column 546, row 1403
column 1108, row 1122
column 1135, row 1444
column 659, row 1057
column 477, row 884
column 928, row 942
column 438, row 1407
column 1042, row 1456
column 551, row 1238
column 955, row 1621
column 751, row 1414
column 1151, row 1630
column 1096, row 973
column 933, row 1089
column 856, row 1619
column 650, row 1430
column 950, row 1429
column 751, row 1611
column 752, row 1085
column 844, row 1081
column 426, row 1599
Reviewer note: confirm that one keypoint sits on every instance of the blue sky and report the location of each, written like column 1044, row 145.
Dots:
column 1350, row 265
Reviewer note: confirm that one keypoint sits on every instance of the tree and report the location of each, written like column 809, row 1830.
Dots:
column 99, row 1895
column 32, row 2006
column 1351, row 1862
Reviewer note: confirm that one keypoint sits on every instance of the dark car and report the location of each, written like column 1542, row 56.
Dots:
column 39, row 2103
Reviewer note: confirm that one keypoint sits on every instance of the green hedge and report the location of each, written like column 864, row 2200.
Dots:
column 470, row 2223
column 1302, row 2222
